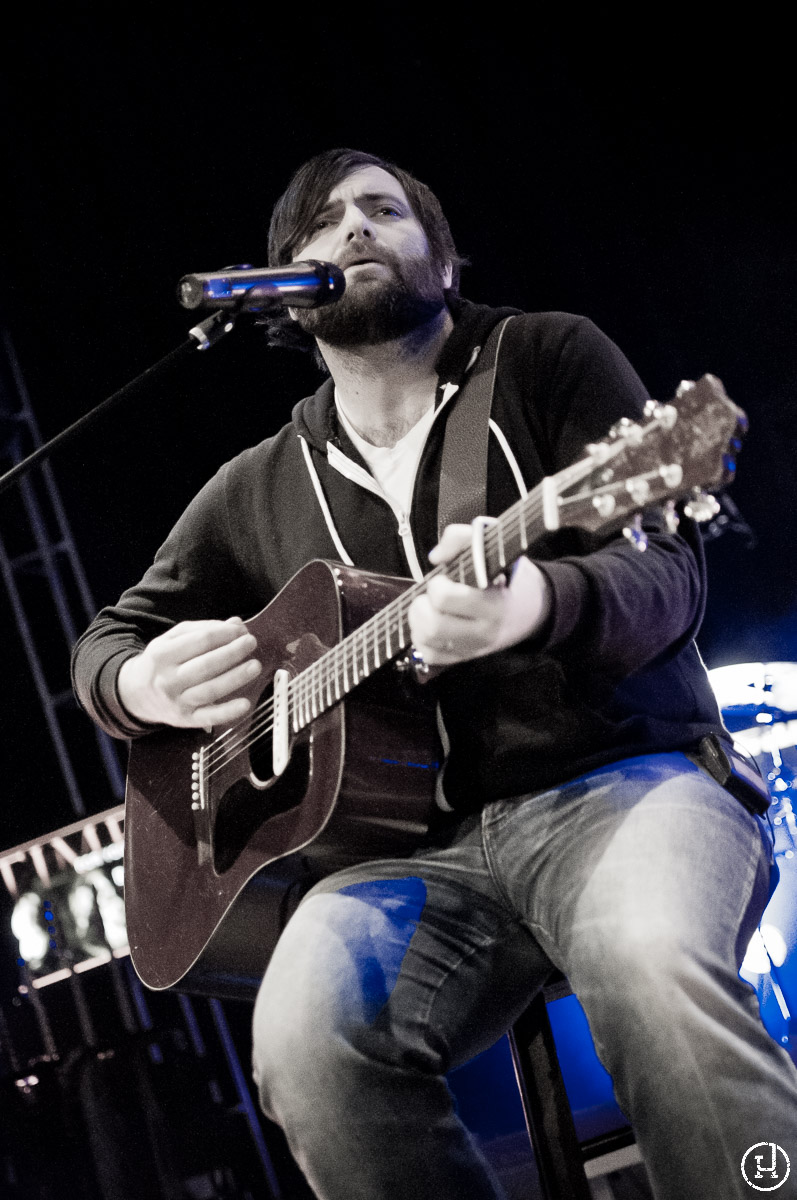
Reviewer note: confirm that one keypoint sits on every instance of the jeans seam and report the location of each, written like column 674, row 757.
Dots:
column 488, row 858
column 517, row 918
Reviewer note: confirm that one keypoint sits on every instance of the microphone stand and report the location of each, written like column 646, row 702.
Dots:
column 204, row 335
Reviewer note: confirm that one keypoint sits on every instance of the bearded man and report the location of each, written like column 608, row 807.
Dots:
column 577, row 826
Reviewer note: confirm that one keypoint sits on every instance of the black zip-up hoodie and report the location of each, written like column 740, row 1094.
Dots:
column 615, row 673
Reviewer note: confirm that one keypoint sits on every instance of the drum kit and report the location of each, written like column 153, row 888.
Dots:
column 759, row 707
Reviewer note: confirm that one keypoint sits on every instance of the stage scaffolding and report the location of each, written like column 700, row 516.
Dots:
column 107, row 1090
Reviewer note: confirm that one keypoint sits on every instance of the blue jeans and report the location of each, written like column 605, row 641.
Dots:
column 642, row 882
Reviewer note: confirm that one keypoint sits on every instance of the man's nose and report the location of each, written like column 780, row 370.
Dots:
column 357, row 224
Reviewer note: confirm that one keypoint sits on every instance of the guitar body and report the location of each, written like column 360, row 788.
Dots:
column 359, row 784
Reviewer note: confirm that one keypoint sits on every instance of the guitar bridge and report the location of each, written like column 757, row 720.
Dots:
column 199, row 805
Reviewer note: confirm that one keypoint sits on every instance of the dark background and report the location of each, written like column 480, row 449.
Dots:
column 642, row 175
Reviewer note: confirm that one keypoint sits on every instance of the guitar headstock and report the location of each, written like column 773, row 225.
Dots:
column 678, row 451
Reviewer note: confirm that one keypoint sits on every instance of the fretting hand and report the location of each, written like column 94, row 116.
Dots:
column 452, row 622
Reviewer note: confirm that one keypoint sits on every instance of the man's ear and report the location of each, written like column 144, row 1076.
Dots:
column 293, row 314
column 448, row 275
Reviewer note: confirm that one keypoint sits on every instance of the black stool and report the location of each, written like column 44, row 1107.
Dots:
column 559, row 1155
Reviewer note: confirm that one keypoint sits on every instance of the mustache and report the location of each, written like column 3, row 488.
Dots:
column 362, row 253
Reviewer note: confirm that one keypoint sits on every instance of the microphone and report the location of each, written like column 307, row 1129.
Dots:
column 301, row 285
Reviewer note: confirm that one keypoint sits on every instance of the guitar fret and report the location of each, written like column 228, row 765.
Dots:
column 376, row 645
column 524, row 541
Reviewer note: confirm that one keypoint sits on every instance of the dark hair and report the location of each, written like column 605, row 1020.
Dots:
column 306, row 194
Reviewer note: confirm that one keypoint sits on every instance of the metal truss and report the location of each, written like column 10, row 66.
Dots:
column 41, row 568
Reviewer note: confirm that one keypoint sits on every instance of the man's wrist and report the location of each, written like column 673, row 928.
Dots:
column 531, row 601
column 128, row 689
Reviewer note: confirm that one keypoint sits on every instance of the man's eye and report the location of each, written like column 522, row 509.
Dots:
column 389, row 210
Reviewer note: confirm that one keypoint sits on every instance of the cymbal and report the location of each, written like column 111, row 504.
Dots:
column 770, row 685
column 758, row 703
column 763, row 739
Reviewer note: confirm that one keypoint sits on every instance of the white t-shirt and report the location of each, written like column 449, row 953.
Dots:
column 393, row 467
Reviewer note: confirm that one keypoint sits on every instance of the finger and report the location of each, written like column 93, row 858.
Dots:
column 215, row 662
column 219, row 714
column 448, row 597
column 204, row 637
column 455, row 539
column 441, row 638
column 219, row 687
column 184, row 627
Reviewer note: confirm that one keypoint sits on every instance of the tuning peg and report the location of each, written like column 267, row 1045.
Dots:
column 665, row 414
column 672, row 474
column 605, row 504
column 702, row 507
column 620, row 428
column 632, row 433
column 598, row 452
column 671, row 516
column 638, row 489
column 636, row 534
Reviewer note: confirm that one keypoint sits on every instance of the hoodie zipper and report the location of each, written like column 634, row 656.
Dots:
column 357, row 474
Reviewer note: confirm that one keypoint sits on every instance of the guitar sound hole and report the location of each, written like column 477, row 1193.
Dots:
column 243, row 808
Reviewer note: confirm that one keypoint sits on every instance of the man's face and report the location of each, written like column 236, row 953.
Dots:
column 369, row 230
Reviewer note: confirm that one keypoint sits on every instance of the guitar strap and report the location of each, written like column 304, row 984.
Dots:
column 463, row 473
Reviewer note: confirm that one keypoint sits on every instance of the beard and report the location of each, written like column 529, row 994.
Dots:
column 371, row 312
